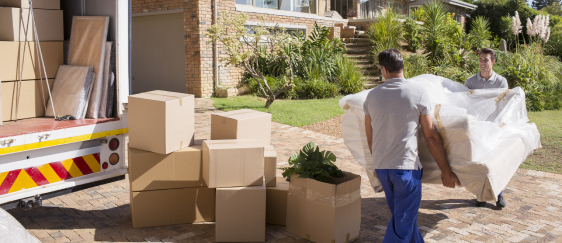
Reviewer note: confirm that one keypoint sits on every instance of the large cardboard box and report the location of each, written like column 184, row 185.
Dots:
column 232, row 163
column 240, row 215
column 325, row 212
column 13, row 22
column 161, row 121
column 37, row 4
column 32, row 99
column 12, row 57
column 276, row 203
column 153, row 171
column 270, row 166
column 242, row 124
column 172, row 206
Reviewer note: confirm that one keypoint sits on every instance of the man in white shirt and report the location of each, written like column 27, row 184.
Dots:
column 394, row 111
column 487, row 79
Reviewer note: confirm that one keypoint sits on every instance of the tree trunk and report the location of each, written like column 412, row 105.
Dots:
column 269, row 101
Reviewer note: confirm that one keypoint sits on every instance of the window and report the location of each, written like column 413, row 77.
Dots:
column 273, row 4
column 396, row 6
column 303, row 6
column 412, row 9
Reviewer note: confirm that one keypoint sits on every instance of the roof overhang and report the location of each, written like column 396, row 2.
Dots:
column 461, row 4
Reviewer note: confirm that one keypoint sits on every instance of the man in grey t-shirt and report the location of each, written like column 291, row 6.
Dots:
column 487, row 79
column 394, row 111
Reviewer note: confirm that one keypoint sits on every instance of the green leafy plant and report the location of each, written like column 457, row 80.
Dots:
column 312, row 163
column 415, row 65
column 412, row 34
column 350, row 78
column 385, row 32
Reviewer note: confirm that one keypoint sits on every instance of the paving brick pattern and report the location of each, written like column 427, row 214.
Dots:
column 102, row 213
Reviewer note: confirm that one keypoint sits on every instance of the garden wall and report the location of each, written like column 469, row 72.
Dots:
column 199, row 52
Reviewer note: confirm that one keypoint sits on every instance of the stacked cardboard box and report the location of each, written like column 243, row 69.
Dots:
column 16, row 65
column 165, row 167
column 236, row 159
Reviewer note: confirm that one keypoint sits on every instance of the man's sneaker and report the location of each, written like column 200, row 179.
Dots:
column 501, row 202
column 480, row 204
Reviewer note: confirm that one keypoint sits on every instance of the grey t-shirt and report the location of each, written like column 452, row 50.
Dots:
column 395, row 108
column 478, row 82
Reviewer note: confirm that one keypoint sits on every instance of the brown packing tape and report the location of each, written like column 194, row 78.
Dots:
column 307, row 236
column 171, row 96
column 470, row 92
column 503, row 94
column 347, row 237
column 346, row 107
column 442, row 132
column 229, row 116
column 331, row 201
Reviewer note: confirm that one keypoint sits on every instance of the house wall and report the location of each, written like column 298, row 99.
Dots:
column 199, row 52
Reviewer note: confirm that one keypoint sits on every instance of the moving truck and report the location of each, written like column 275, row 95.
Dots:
column 42, row 158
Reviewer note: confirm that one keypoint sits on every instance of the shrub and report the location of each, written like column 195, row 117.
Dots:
column 317, row 89
column 385, row 32
column 350, row 78
column 415, row 65
column 412, row 34
column 480, row 34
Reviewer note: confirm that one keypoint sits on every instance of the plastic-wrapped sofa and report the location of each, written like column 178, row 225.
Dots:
column 486, row 134
column 12, row 231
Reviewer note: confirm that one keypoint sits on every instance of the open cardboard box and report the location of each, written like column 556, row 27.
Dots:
column 325, row 211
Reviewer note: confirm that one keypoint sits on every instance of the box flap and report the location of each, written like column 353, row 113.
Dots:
column 243, row 114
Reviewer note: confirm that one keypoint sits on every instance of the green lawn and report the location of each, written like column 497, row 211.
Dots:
column 549, row 158
column 291, row 112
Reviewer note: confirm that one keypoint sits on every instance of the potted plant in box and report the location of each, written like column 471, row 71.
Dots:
column 323, row 202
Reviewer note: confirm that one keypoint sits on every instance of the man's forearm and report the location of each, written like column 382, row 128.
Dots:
column 436, row 149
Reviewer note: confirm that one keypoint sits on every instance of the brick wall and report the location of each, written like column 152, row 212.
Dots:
column 198, row 14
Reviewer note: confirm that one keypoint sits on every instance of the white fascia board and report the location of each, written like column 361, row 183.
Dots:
column 286, row 26
column 252, row 9
column 462, row 4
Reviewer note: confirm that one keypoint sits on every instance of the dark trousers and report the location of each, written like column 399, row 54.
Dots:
column 403, row 191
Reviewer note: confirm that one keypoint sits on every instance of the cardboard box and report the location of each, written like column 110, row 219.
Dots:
column 13, row 22
column 32, row 101
column 242, row 124
column 173, row 206
column 13, row 56
column 161, row 121
column 240, row 215
column 37, row 4
column 325, row 212
column 153, row 171
column 232, row 163
column 270, row 167
column 276, row 202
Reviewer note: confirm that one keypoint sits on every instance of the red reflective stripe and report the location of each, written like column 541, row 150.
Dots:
column 36, row 176
column 60, row 170
column 82, row 165
column 97, row 156
column 9, row 181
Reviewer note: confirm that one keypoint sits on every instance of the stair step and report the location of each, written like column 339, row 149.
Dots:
column 358, row 51
column 355, row 40
column 358, row 44
column 361, row 35
column 371, row 71
column 358, row 56
column 361, row 61
column 365, row 66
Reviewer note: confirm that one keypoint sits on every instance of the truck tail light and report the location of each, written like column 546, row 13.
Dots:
column 104, row 165
column 113, row 158
column 114, row 144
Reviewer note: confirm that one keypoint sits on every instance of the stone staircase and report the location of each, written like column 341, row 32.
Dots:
column 358, row 50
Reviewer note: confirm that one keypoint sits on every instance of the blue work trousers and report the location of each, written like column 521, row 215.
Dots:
column 403, row 191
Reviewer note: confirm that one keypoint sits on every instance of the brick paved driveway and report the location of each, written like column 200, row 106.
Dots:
column 534, row 212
